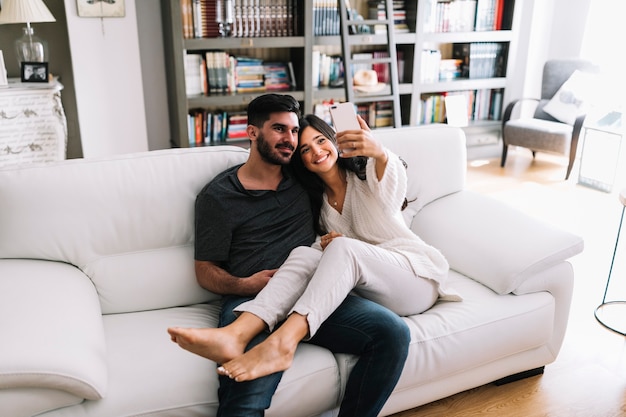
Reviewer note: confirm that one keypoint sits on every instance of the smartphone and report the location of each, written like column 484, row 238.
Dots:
column 344, row 117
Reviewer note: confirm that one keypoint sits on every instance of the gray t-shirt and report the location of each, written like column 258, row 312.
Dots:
column 247, row 231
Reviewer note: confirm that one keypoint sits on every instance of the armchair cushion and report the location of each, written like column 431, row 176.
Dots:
column 572, row 99
column 538, row 134
column 52, row 330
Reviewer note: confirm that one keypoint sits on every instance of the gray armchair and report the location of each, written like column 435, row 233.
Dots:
column 543, row 132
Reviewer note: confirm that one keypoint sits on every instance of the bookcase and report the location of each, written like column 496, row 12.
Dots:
column 427, row 30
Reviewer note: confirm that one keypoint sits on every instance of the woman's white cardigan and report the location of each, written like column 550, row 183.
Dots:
column 372, row 213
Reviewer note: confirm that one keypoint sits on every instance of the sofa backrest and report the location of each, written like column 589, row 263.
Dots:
column 436, row 156
column 127, row 221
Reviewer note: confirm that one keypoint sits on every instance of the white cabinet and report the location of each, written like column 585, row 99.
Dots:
column 33, row 128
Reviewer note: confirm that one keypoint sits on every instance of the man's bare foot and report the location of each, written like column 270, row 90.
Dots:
column 264, row 359
column 218, row 345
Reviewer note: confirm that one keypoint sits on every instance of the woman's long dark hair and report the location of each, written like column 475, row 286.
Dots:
column 312, row 183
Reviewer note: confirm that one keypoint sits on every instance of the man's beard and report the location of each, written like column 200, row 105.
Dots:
column 272, row 155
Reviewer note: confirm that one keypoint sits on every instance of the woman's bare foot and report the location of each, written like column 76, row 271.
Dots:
column 264, row 359
column 218, row 345
column 273, row 355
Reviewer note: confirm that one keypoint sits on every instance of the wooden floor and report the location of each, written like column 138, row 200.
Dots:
column 588, row 379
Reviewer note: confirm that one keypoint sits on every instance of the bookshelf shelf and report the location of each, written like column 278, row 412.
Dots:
column 242, row 43
column 416, row 89
column 232, row 100
column 463, row 84
column 464, row 37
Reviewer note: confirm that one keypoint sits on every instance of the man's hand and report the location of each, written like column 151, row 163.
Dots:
column 212, row 277
column 258, row 281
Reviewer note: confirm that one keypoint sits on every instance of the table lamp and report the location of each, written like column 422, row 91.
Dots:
column 29, row 47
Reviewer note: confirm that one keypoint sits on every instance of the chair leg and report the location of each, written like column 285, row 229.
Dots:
column 505, row 149
column 534, row 154
column 572, row 157
column 573, row 149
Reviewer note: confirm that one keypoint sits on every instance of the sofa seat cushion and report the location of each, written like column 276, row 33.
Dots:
column 454, row 338
column 151, row 375
column 27, row 402
column 53, row 336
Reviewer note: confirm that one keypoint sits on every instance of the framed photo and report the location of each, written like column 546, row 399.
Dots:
column 101, row 8
column 34, row 72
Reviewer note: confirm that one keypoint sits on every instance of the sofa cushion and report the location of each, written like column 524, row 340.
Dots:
column 572, row 98
column 151, row 375
column 517, row 246
column 27, row 402
column 447, row 165
column 126, row 220
column 52, row 329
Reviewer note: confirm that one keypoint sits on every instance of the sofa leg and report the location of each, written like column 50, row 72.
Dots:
column 519, row 376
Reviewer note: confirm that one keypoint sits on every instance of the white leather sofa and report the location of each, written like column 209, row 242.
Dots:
column 96, row 261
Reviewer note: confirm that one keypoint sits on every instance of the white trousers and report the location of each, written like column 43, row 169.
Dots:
column 314, row 283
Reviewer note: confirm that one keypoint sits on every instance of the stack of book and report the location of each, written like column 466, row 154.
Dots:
column 483, row 104
column 463, row 15
column 194, row 67
column 216, row 127
column 237, row 122
column 279, row 76
column 219, row 73
column 376, row 114
column 481, row 59
column 246, row 18
column 377, row 11
column 328, row 70
column 325, row 18
column 218, row 79
column 430, row 63
column 489, row 15
column 250, row 75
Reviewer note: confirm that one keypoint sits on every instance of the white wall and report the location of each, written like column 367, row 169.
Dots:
column 108, row 82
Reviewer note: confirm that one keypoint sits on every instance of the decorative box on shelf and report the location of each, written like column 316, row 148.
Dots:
column 33, row 128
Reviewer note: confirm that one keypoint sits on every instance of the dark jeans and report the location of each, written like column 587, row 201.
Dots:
column 358, row 326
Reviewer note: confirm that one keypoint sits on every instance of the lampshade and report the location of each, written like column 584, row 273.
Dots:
column 28, row 48
column 25, row 11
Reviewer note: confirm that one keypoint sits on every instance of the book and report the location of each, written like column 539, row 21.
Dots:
column 237, row 125
column 485, row 15
column 277, row 76
column 193, row 74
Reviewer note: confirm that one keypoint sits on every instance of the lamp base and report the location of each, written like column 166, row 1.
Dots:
column 30, row 48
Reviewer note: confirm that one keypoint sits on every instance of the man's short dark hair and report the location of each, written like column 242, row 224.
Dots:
column 260, row 108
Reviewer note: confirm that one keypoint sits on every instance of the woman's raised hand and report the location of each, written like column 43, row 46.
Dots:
column 359, row 142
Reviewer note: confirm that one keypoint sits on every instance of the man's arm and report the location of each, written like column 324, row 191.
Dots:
column 212, row 277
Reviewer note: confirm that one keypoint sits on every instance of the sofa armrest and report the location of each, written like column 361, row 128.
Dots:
column 491, row 242
column 51, row 327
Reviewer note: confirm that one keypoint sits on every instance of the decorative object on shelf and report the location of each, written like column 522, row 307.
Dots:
column 3, row 72
column 29, row 47
column 101, row 8
column 224, row 17
column 34, row 72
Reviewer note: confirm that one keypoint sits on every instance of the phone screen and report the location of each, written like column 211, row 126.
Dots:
column 344, row 117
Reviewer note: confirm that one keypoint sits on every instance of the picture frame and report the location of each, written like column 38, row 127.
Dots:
column 101, row 8
column 34, row 72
